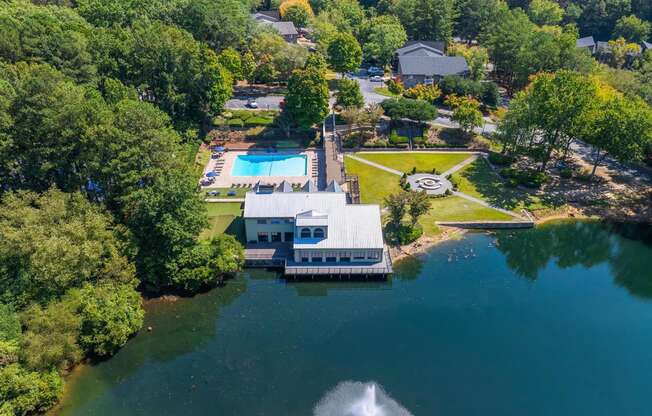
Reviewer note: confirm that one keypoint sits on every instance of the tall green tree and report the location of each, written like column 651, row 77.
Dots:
column 54, row 241
column 348, row 93
column 344, row 53
column 381, row 36
column 545, row 12
column 632, row 29
column 397, row 205
column 52, row 35
column 619, row 127
column 306, row 102
column 476, row 15
column 549, row 114
column 418, row 205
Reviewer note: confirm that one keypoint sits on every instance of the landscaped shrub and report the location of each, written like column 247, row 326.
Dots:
column 402, row 235
column 258, row 121
column 396, row 139
column 486, row 92
column 235, row 122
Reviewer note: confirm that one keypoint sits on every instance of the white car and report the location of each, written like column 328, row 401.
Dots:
column 376, row 78
column 252, row 103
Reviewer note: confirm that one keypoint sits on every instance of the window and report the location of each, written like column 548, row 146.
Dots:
column 345, row 259
column 276, row 221
column 304, row 259
column 289, row 221
column 263, row 237
column 316, row 259
column 331, row 259
column 373, row 255
column 358, row 257
column 262, row 221
column 289, row 236
column 318, row 233
column 305, row 233
column 276, row 237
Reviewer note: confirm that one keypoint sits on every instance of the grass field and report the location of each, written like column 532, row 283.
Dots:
column 479, row 180
column 424, row 162
column 224, row 217
column 375, row 184
column 385, row 91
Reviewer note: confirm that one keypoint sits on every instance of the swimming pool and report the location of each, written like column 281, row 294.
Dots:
column 270, row 165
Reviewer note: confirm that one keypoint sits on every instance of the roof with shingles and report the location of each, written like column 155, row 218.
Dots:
column 432, row 65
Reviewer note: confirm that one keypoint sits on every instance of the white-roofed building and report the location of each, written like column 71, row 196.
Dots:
column 318, row 233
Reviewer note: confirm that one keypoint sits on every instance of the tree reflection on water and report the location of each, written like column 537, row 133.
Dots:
column 580, row 243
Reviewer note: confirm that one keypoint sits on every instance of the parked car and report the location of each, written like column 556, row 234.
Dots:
column 252, row 103
column 376, row 78
column 374, row 70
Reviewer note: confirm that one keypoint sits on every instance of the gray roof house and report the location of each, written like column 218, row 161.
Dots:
column 587, row 43
column 415, row 70
column 420, row 49
column 286, row 29
column 311, row 233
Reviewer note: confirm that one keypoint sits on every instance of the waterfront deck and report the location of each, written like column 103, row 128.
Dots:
column 380, row 268
column 267, row 254
column 279, row 255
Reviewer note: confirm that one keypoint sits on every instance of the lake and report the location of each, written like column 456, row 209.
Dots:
column 551, row 321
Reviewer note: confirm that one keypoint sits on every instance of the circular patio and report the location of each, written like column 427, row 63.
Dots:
column 432, row 184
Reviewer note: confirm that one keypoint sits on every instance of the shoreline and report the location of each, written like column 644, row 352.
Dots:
column 423, row 244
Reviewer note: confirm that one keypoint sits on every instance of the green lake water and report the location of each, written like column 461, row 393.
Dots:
column 551, row 321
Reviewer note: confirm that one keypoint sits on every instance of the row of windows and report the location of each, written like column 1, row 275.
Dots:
column 316, row 233
column 285, row 221
column 275, row 237
column 344, row 257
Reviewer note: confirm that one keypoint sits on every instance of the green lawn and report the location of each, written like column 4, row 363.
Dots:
column 375, row 184
column 424, row 162
column 224, row 217
column 479, row 180
column 385, row 91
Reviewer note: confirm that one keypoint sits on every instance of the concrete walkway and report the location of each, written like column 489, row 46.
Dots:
column 376, row 165
column 486, row 204
column 454, row 169
column 460, row 165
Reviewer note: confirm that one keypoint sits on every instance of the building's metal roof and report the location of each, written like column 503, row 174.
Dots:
column 349, row 226
column 333, row 187
column 309, row 187
column 285, row 186
column 432, row 65
column 311, row 218
column 284, row 28
column 586, row 42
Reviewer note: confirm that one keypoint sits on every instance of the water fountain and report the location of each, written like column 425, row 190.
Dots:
column 351, row 398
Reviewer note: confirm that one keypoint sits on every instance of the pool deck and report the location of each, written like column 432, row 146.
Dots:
column 225, row 180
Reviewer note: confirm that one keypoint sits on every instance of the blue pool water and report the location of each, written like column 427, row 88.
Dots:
column 270, row 165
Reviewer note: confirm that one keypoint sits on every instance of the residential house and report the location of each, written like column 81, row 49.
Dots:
column 309, row 232
column 424, row 62
column 587, row 43
column 286, row 29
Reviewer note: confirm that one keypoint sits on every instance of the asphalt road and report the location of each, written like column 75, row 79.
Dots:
column 367, row 88
column 266, row 102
